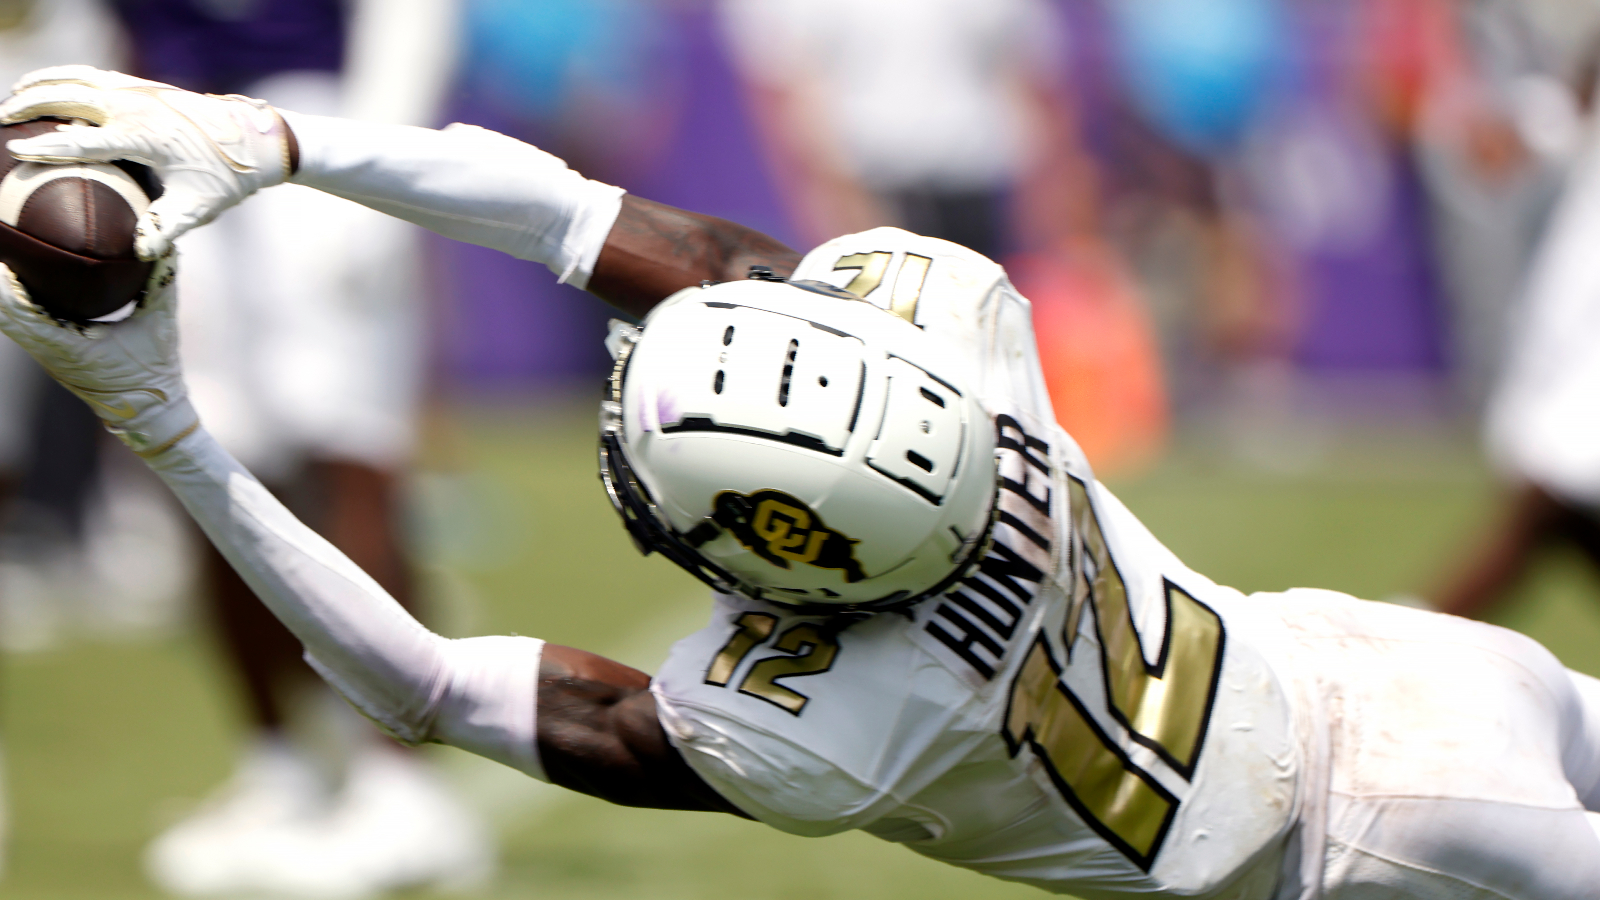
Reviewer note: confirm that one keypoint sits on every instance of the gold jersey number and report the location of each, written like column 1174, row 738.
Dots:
column 1164, row 706
column 871, row 269
column 808, row 649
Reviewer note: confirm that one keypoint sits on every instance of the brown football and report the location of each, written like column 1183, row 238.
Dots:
column 67, row 231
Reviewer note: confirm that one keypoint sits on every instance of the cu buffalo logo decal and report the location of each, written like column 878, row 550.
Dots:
column 782, row 529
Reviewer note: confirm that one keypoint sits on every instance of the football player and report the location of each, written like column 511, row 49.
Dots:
column 931, row 622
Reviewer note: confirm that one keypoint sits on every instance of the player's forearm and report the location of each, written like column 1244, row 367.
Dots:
column 478, row 694
column 599, row 734
column 465, row 183
column 655, row 250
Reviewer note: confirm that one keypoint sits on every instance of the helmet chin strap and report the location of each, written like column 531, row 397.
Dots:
column 650, row 533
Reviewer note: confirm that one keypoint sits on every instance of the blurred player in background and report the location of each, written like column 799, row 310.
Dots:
column 47, row 448
column 303, row 337
column 1495, row 123
column 601, row 80
column 918, row 114
column 951, row 119
column 1189, row 86
column 1543, row 421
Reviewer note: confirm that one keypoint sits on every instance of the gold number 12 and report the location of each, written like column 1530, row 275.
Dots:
column 870, row 270
column 809, row 650
column 1165, row 705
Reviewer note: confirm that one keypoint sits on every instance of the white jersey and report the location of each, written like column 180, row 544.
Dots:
column 302, row 320
column 1083, row 712
column 1080, row 714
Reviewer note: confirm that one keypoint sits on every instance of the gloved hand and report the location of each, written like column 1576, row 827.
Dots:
column 127, row 371
column 210, row 151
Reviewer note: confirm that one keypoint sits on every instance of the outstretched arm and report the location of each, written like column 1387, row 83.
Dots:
column 559, row 714
column 463, row 182
column 486, row 188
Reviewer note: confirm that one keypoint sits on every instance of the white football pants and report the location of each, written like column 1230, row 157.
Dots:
column 301, row 320
column 1446, row 759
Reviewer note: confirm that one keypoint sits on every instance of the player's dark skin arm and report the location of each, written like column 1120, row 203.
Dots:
column 599, row 735
column 655, row 250
column 598, row 729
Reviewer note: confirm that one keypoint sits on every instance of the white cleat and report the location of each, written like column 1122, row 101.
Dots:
column 275, row 792
column 275, row 831
column 400, row 826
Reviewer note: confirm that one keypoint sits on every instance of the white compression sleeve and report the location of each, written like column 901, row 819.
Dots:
column 466, row 183
column 479, row 694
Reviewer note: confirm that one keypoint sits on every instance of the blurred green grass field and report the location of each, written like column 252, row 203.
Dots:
column 107, row 742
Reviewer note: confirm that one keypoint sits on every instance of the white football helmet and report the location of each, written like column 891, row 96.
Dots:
column 790, row 442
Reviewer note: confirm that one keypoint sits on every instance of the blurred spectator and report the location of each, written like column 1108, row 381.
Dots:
column 1543, row 419
column 590, row 80
column 303, row 346
column 1371, row 300
column 1495, row 132
column 950, row 120
column 1259, row 175
column 1173, row 91
column 918, row 115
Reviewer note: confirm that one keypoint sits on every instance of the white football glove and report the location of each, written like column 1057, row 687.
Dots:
column 210, row 151
column 127, row 371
